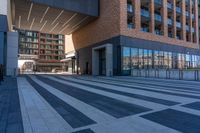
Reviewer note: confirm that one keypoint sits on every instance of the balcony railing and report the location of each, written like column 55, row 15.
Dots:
column 187, row 14
column 169, row 5
column 145, row 29
column 130, row 26
column 158, row 17
column 129, row 8
column 193, row 30
column 170, row 21
column 187, row 27
column 192, row 16
column 178, row 9
column 178, row 24
column 158, row 32
column 158, row 2
column 145, row 13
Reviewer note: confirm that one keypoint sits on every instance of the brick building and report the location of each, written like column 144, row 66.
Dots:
column 48, row 50
column 139, row 34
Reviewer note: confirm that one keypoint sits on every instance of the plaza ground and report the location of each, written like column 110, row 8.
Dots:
column 86, row 104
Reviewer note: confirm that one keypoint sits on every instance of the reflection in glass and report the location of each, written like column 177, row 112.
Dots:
column 134, row 58
column 126, row 53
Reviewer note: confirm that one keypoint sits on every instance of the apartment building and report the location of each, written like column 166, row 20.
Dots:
column 45, row 49
column 139, row 34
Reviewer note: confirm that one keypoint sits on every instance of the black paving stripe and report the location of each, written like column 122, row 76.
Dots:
column 84, row 131
column 181, row 121
column 72, row 116
column 150, row 90
column 137, row 96
column 10, row 111
column 194, row 105
column 172, row 87
column 114, row 107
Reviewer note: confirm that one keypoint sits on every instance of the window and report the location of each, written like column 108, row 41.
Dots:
column 150, row 59
column 126, row 53
column 134, row 58
column 145, row 58
column 141, row 57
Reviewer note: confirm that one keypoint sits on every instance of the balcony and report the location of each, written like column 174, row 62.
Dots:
column 178, row 24
column 178, row 9
column 193, row 30
column 187, row 14
column 158, row 32
column 169, row 6
column 130, row 8
column 193, row 16
column 158, row 2
column 145, row 13
column 158, row 17
column 169, row 21
column 130, row 26
column 187, row 27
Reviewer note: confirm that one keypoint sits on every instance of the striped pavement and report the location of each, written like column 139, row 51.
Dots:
column 86, row 104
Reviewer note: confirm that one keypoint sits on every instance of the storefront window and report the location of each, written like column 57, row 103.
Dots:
column 166, row 60
column 126, row 66
column 161, row 59
column 150, row 59
column 145, row 58
column 170, row 60
column 141, row 57
column 188, row 61
column 156, row 59
column 134, row 58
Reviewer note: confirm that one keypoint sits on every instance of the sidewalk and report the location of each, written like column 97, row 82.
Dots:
column 10, row 113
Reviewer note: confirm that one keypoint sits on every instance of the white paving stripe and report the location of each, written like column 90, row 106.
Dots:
column 91, row 112
column 132, row 125
column 123, row 125
column 146, row 93
column 110, row 87
column 135, row 101
column 42, row 118
column 26, row 120
column 163, row 85
column 157, row 88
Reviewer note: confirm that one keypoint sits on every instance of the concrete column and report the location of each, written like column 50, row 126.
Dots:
column 137, row 15
column 12, row 54
column 183, row 21
column 174, row 19
column 109, row 60
column 165, row 18
column 152, row 15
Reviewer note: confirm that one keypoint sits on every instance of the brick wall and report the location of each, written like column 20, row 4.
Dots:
column 105, row 27
column 113, row 22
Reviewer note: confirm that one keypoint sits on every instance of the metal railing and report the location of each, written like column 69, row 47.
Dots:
column 176, row 74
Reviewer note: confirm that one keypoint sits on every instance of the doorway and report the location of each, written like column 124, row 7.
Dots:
column 102, row 61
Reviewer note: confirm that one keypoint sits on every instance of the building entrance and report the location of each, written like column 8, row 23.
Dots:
column 102, row 62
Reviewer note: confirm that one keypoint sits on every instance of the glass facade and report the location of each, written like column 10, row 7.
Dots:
column 137, row 58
